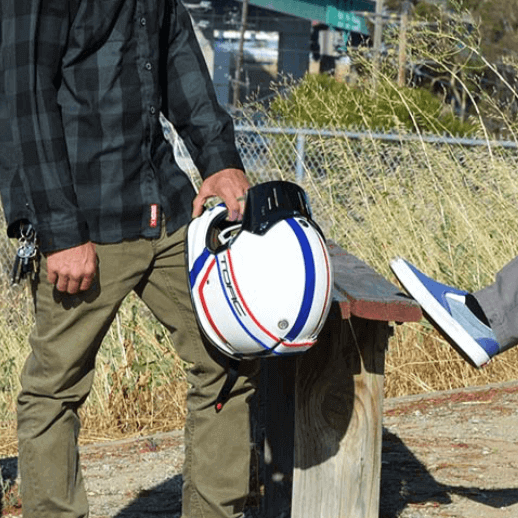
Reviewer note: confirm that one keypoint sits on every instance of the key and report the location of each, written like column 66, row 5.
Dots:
column 15, row 275
column 23, row 261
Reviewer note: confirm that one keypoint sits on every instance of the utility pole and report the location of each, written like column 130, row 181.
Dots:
column 378, row 30
column 401, row 80
column 378, row 26
column 239, row 60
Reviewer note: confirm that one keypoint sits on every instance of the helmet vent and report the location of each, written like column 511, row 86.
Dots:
column 276, row 199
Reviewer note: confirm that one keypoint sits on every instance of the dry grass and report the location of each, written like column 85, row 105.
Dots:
column 450, row 210
column 436, row 206
column 419, row 360
column 140, row 385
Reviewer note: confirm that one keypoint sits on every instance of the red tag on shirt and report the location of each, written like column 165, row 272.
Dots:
column 153, row 220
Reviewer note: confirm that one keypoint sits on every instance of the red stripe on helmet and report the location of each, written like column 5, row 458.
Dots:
column 204, row 302
column 252, row 316
column 328, row 272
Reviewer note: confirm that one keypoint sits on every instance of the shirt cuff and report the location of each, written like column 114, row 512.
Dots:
column 62, row 238
column 214, row 160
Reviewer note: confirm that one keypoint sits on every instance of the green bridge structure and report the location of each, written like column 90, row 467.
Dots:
column 293, row 20
column 341, row 14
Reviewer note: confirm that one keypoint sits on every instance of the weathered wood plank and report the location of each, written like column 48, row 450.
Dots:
column 338, row 390
column 338, row 428
column 368, row 293
column 341, row 298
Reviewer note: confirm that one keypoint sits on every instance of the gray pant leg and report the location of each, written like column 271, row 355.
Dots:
column 500, row 304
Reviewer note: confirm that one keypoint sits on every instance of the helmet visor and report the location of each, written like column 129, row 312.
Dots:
column 270, row 202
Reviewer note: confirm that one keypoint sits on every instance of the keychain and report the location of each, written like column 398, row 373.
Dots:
column 24, row 259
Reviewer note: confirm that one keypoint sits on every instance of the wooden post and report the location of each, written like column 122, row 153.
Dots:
column 338, row 429
column 337, row 390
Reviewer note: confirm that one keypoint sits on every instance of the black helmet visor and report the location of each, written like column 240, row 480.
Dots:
column 270, row 202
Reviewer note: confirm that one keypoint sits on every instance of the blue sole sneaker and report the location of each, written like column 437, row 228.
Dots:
column 446, row 308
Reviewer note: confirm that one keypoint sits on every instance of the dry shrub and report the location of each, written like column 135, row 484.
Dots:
column 11, row 501
column 16, row 317
column 419, row 360
column 135, row 405
column 136, row 410
column 449, row 209
column 8, row 439
column 141, row 384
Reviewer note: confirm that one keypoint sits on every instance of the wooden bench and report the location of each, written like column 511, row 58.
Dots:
column 320, row 414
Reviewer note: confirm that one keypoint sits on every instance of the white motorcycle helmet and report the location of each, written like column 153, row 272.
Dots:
column 260, row 287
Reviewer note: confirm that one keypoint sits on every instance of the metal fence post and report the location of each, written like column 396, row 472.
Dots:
column 301, row 142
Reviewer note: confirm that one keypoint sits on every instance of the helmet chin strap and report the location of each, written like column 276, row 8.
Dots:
column 277, row 344
column 232, row 375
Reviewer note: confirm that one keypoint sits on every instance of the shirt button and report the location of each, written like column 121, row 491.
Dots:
column 149, row 66
column 143, row 21
column 152, row 110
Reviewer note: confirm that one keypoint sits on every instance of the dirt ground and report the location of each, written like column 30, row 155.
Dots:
column 451, row 454
column 447, row 454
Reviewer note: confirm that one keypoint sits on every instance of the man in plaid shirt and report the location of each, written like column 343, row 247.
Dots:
column 83, row 158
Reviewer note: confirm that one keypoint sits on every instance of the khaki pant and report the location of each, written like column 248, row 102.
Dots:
column 58, row 375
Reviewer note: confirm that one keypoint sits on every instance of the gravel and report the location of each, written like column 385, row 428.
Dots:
column 450, row 454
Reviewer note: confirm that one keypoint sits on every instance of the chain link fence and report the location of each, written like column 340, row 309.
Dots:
column 308, row 157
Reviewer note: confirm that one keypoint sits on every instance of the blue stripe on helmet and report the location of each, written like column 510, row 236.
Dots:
column 234, row 312
column 309, row 284
column 197, row 267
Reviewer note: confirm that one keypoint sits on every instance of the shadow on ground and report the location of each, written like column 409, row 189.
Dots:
column 164, row 501
column 8, row 474
column 405, row 480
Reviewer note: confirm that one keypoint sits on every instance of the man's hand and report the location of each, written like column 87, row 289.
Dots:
column 72, row 270
column 230, row 185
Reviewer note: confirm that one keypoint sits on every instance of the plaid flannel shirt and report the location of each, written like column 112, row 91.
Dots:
column 82, row 151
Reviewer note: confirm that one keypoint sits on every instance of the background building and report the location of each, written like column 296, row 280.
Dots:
column 281, row 39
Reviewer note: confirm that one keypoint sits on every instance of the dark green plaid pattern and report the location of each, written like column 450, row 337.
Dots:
column 82, row 83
